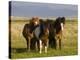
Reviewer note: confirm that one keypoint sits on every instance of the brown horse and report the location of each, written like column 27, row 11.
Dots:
column 42, row 33
column 28, row 31
column 27, row 35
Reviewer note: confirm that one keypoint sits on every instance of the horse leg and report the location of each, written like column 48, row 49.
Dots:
column 57, row 44
column 60, row 39
column 60, row 44
column 45, row 49
column 29, row 43
column 46, row 45
column 40, row 42
column 47, row 42
column 27, row 40
column 36, row 43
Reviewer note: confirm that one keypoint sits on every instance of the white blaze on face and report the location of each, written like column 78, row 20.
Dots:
column 36, row 23
column 48, row 31
column 62, row 26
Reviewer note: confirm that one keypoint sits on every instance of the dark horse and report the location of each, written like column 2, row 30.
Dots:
column 42, row 33
column 28, row 35
column 58, row 29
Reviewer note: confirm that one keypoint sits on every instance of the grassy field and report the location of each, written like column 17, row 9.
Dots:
column 69, row 42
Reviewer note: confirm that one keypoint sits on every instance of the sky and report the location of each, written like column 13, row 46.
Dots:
column 30, row 9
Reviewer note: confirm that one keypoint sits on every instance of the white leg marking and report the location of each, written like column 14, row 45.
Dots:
column 40, row 46
column 62, row 26
column 45, row 49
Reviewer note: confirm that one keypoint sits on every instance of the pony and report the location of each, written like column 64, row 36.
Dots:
column 28, row 35
column 58, row 30
column 28, row 31
column 52, row 40
column 42, row 33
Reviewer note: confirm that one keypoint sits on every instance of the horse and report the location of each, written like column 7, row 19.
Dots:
column 52, row 40
column 28, row 31
column 27, row 35
column 42, row 33
column 55, row 32
column 58, row 30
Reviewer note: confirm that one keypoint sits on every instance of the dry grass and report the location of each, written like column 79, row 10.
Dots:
column 19, row 43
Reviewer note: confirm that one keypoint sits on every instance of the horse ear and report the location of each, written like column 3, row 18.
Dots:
column 33, row 18
column 63, row 19
column 58, row 19
column 37, row 18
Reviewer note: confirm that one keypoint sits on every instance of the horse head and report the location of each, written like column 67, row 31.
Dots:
column 59, row 24
column 35, row 21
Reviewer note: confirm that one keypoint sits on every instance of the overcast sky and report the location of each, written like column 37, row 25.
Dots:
column 29, row 9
